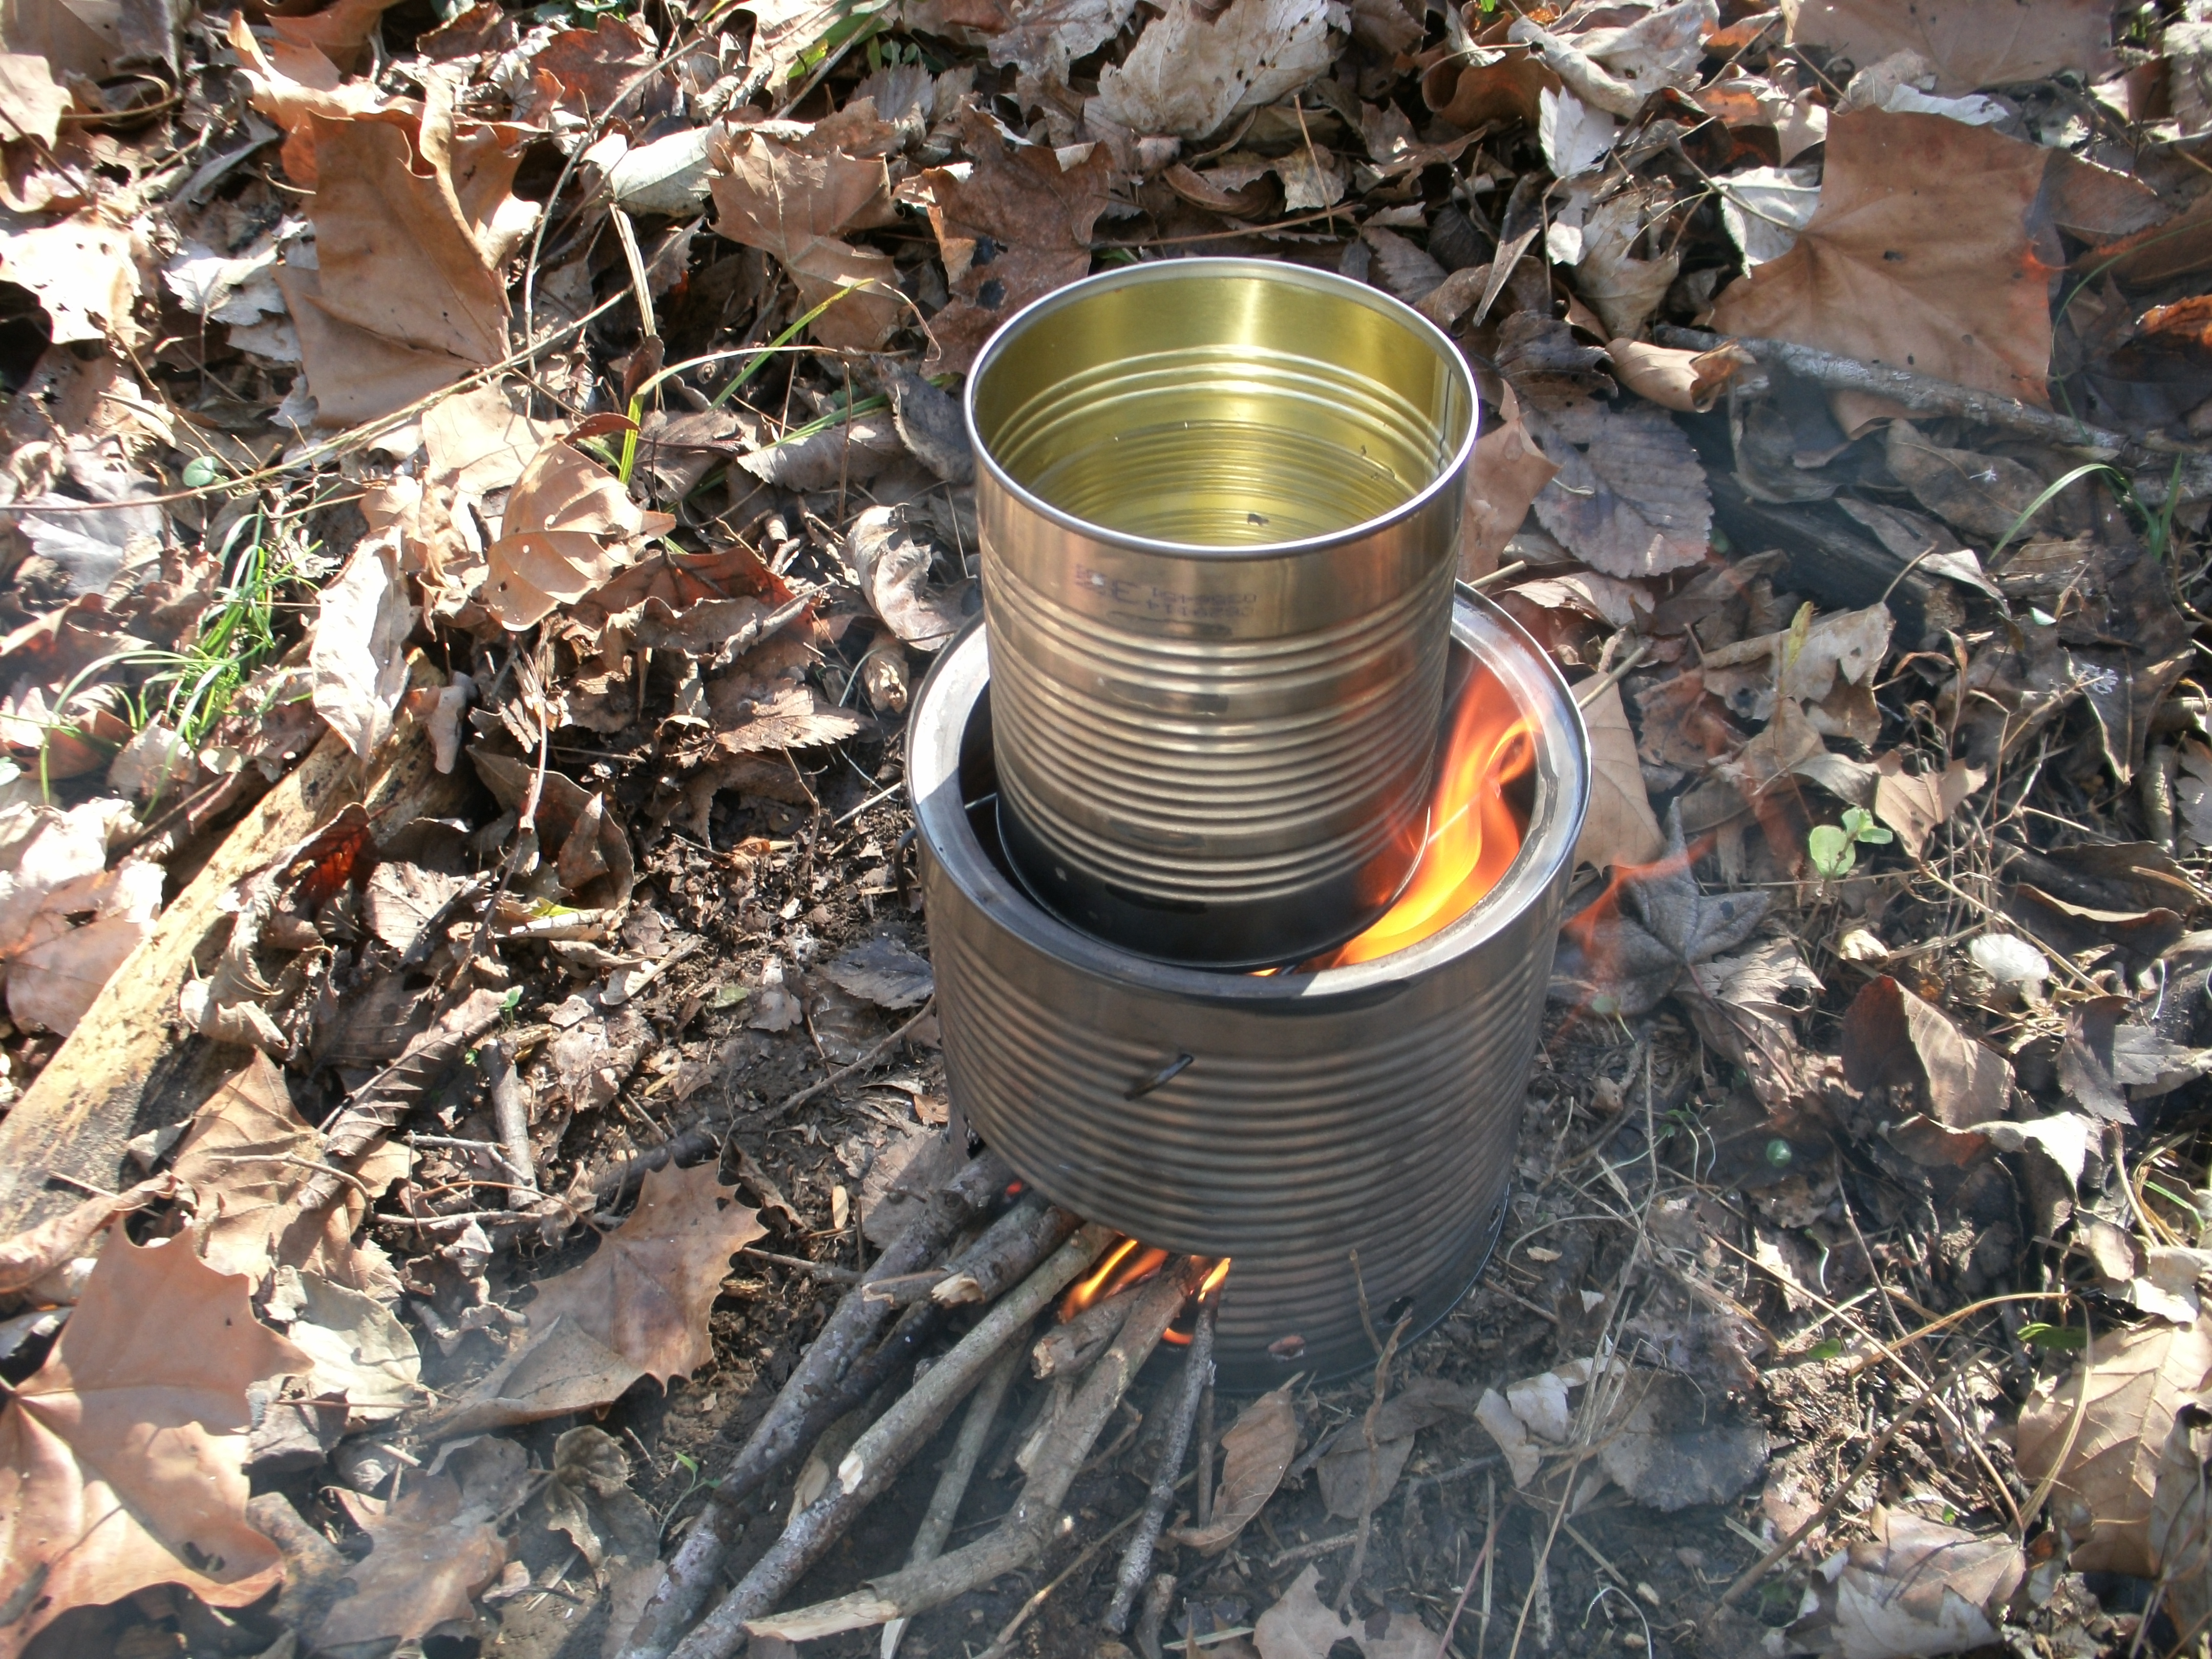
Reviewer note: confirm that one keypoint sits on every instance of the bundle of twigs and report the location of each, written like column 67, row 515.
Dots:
column 954, row 1260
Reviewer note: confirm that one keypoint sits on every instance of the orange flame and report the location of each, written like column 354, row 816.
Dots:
column 1128, row 1263
column 1475, row 832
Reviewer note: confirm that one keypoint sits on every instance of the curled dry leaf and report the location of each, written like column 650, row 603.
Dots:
column 1891, row 1036
column 1257, row 1451
column 1919, row 257
column 122, row 1461
column 1505, row 475
column 1620, row 828
column 1919, row 1588
column 84, row 271
column 569, row 527
column 358, row 654
column 893, row 562
column 1914, row 806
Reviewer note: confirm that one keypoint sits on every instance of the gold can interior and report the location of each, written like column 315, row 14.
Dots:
column 1222, row 408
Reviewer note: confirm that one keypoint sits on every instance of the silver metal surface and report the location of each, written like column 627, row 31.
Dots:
column 1286, row 1120
column 1219, row 504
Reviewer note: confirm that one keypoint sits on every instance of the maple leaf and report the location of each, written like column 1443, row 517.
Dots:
column 123, row 1461
column 1636, row 944
column 1919, row 257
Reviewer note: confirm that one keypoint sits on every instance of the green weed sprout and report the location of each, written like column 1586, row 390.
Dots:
column 1834, row 850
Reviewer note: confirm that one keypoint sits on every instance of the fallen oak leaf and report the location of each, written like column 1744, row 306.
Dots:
column 123, row 1459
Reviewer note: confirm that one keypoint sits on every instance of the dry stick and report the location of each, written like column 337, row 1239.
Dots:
column 918, row 1324
column 1157, row 1599
column 1029, row 1526
column 827, row 1272
column 959, row 1469
column 1003, row 1642
column 1367, row 1498
column 1202, row 1503
column 511, row 1113
column 885, row 1448
column 1924, row 394
column 792, row 1102
column 781, row 1434
column 999, row 1260
column 1137, row 1557
column 1481, row 1563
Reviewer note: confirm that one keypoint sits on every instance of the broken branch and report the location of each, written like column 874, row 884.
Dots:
column 1137, row 1558
column 1027, row 1528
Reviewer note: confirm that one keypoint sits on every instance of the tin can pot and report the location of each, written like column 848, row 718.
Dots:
column 1286, row 1120
column 1219, row 504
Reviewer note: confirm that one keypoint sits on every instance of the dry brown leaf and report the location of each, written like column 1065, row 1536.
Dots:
column 792, row 717
column 1892, row 1036
column 1257, row 1449
column 433, row 1549
column 1630, row 499
column 1918, row 1587
column 478, row 442
column 568, row 527
column 404, row 299
column 246, row 1157
column 52, row 984
column 1968, row 43
column 1986, row 496
column 2137, row 1380
column 1501, row 86
column 1506, row 474
column 37, row 1251
column 1915, row 806
column 358, row 654
column 1687, row 382
column 792, row 198
column 1919, row 258
column 1623, row 290
column 339, row 30
column 1043, row 37
column 289, row 84
column 32, row 102
column 645, row 1292
column 1015, row 229
column 1302, row 1627
column 1620, row 828
column 124, row 1458
column 85, row 273
column 1192, row 68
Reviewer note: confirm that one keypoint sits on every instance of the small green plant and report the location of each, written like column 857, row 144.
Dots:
column 1834, row 850
column 2063, row 1337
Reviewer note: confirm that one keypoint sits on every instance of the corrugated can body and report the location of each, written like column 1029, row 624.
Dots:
column 1286, row 1120
column 1219, row 505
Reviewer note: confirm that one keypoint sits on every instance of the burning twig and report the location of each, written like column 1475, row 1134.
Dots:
column 1026, row 1531
column 1137, row 1558
column 1067, row 1349
column 885, row 1448
column 784, row 1432
column 959, row 1469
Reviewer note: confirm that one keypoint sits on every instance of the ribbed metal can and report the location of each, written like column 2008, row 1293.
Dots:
column 1286, row 1121
column 1219, row 504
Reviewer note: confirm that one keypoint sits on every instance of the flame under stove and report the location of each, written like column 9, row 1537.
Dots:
column 1342, row 1129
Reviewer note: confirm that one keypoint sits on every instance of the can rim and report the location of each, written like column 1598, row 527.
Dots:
column 1449, row 475
column 1546, row 855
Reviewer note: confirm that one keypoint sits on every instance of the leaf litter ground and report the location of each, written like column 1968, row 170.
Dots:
column 542, row 422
